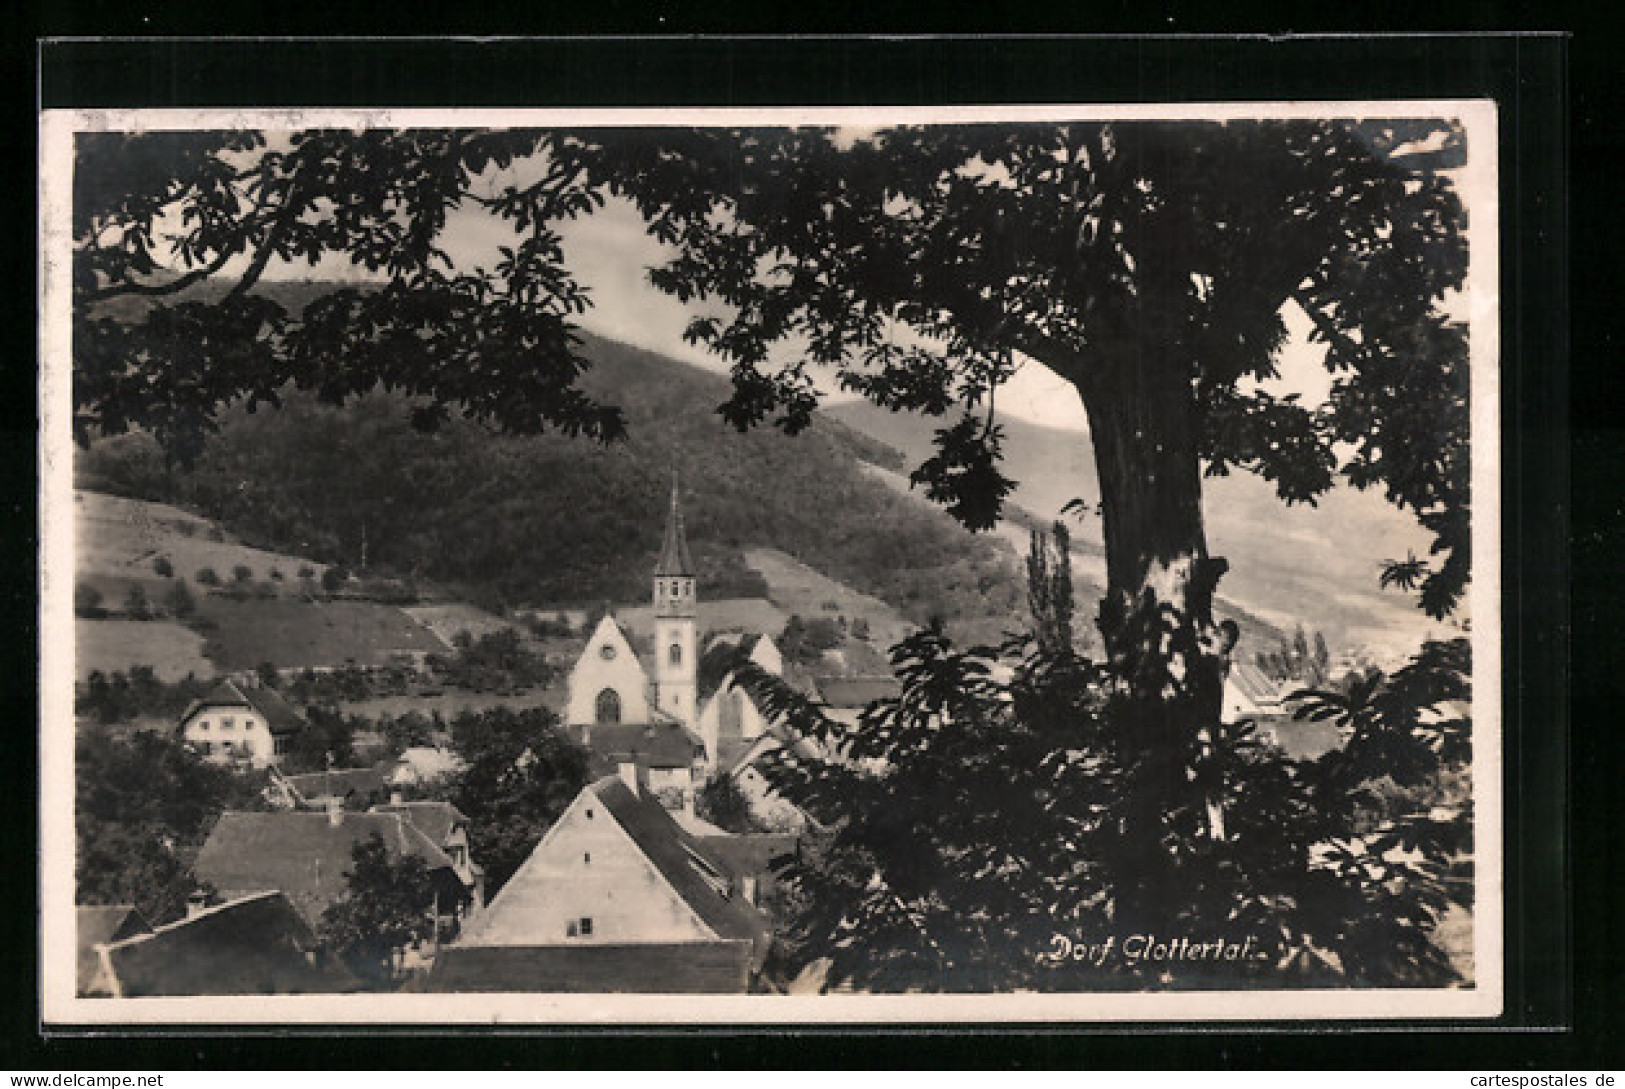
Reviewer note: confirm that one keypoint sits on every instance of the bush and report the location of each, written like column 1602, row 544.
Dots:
column 242, row 573
column 179, row 600
column 163, row 567
column 207, row 577
column 136, row 606
column 276, row 574
column 306, row 571
column 87, row 601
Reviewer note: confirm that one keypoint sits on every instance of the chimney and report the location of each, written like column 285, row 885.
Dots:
column 688, row 803
column 396, row 795
column 196, row 902
column 335, row 810
column 632, row 775
column 747, row 885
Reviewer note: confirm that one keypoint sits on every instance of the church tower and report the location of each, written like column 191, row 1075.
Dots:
column 677, row 658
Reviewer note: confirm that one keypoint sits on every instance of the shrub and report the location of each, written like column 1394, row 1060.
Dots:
column 179, row 600
column 87, row 601
column 136, row 606
column 207, row 577
column 276, row 574
column 306, row 571
column 163, row 567
column 242, row 573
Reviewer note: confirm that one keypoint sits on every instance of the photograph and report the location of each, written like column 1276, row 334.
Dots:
column 973, row 564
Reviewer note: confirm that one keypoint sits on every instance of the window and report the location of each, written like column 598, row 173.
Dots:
column 589, row 814
column 227, row 723
column 586, row 858
column 578, row 928
column 608, row 706
column 586, row 926
column 607, row 652
column 204, row 725
column 675, row 654
column 279, row 745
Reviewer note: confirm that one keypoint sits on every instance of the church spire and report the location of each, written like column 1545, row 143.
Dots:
column 674, row 560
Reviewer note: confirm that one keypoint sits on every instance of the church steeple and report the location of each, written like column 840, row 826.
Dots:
column 674, row 559
column 676, row 601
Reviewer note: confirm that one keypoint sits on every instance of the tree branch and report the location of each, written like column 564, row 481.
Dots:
column 171, row 287
column 1328, row 328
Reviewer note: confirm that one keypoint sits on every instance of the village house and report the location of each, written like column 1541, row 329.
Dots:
column 351, row 788
column 1251, row 696
column 617, row 897
column 255, row 944
column 240, row 722
column 447, row 828
column 308, row 857
column 1248, row 693
column 730, row 720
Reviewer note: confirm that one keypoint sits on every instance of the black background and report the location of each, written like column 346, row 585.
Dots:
column 1554, row 1020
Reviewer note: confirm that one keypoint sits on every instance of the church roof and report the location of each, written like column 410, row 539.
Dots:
column 674, row 557
column 661, row 743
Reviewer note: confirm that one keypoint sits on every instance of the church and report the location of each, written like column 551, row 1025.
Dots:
column 666, row 702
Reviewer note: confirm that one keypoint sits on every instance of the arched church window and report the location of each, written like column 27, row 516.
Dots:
column 675, row 654
column 609, row 706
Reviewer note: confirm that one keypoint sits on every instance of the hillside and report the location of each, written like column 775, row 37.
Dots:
column 1312, row 565
column 554, row 521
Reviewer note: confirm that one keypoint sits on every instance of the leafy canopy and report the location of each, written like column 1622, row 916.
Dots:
column 993, row 805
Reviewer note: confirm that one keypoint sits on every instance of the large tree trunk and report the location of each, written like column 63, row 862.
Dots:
column 1157, row 616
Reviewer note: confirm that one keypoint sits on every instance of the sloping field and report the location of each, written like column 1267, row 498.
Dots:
column 170, row 649
column 292, row 633
column 796, row 588
column 118, row 541
column 746, row 614
column 446, row 619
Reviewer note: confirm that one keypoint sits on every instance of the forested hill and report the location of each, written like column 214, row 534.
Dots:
column 553, row 520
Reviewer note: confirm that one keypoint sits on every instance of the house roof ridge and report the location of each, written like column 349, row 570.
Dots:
column 202, row 913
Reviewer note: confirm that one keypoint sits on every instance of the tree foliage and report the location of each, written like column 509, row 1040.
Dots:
column 143, row 807
column 520, row 773
column 109, row 698
column 975, row 818
column 387, row 906
column 497, row 659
